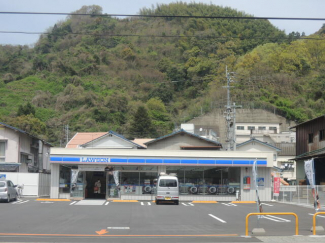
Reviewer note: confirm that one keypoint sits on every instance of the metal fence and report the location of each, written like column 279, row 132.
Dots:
column 300, row 195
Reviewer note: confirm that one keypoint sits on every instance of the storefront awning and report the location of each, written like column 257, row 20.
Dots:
column 9, row 166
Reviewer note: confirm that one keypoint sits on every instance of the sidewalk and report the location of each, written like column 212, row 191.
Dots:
column 280, row 239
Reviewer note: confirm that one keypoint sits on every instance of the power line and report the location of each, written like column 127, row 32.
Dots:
column 163, row 16
column 163, row 36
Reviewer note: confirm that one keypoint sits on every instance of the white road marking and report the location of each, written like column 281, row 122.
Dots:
column 222, row 221
column 142, row 203
column 118, row 227
column 317, row 215
column 267, row 204
column 149, row 203
column 285, row 220
column 191, row 204
column 106, row 203
column 20, row 202
column 265, row 217
column 73, row 203
column 184, row 204
column 229, row 204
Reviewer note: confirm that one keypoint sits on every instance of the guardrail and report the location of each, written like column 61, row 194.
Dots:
column 296, row 216
column 314, row 221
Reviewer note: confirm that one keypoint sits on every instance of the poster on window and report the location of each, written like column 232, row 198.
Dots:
column 276, row 186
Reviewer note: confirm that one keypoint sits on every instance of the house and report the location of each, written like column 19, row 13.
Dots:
column 102, row 140
column 266, row 132
column 25, row 160
column 283, row 154
column 310, row 144
column 22, row 152
column 183, row 140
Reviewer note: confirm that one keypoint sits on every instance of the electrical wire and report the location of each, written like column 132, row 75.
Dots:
column 164, row 16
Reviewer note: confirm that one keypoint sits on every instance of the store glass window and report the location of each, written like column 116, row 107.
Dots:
column 250, row 128
column 77, row 189
column 65, row 178
column 147, row 182
column 261, row 128
column 130, row 183
column 240, row 127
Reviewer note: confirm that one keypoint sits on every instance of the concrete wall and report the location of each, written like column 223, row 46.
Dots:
column 35, row 184
column 216, row 121
column 264, row 191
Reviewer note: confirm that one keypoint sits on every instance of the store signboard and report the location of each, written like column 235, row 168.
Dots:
column 91, row 167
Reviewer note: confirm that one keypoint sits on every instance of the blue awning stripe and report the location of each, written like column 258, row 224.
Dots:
column 208, row 162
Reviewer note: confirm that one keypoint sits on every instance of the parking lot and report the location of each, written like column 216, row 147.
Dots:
column 46, row 220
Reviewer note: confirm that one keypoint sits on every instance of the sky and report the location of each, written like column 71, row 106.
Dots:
column 41, row 23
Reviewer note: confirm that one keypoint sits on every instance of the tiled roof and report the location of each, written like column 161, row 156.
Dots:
column 83, row 137
column 183, row 131
column 142, row 141
column 24, row 132
column 258, row 141
column 287, row 149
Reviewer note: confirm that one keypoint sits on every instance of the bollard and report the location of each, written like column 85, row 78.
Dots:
column 314, row 221
column 250, row 214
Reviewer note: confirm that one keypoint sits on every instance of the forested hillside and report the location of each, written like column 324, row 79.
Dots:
column 98, row 73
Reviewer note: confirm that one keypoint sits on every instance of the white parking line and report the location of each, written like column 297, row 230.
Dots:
column 20, row 202
column 106, row 203
column 142, row 203
column 229, row 204
column 73, row 203
column 184, row 204
column 149, row 203
column 222, row 221
column 317, row 215
column 284, row 220
column 267, row 204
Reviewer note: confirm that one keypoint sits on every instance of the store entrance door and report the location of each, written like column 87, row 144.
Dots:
column 95, row 185
column 112, row 188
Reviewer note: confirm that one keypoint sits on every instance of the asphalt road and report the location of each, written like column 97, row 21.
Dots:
column 29, row 220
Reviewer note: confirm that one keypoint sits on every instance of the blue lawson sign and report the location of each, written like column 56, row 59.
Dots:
column 2, row 177
column 155, row 161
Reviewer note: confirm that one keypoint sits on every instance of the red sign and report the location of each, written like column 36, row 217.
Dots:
column 276, row 186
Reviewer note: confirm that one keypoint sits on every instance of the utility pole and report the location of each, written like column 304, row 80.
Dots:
column 228, row 112
column 66, row 134
column 234, row 125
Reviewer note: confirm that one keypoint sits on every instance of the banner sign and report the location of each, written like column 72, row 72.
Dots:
column 91, row 167
column 310, row 173
column 276, row 186
column 258, row 201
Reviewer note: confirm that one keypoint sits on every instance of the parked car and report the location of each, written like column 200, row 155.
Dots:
column 167, row 188
column 8, row 191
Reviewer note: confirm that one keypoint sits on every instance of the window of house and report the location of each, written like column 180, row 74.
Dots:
column 250, row 128
column 310, row 137
column 240, row 127
column 322, row 135
column 2, row 151
column 272, row 128
column 261, row 128
column 274, row 157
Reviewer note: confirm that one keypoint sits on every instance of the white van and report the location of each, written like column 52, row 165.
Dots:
column 167, row 188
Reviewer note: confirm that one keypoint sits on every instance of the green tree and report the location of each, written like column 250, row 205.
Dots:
column 26, row 110
column 141, row 126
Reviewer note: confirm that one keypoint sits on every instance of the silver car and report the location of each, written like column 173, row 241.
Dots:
column 8, row 191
